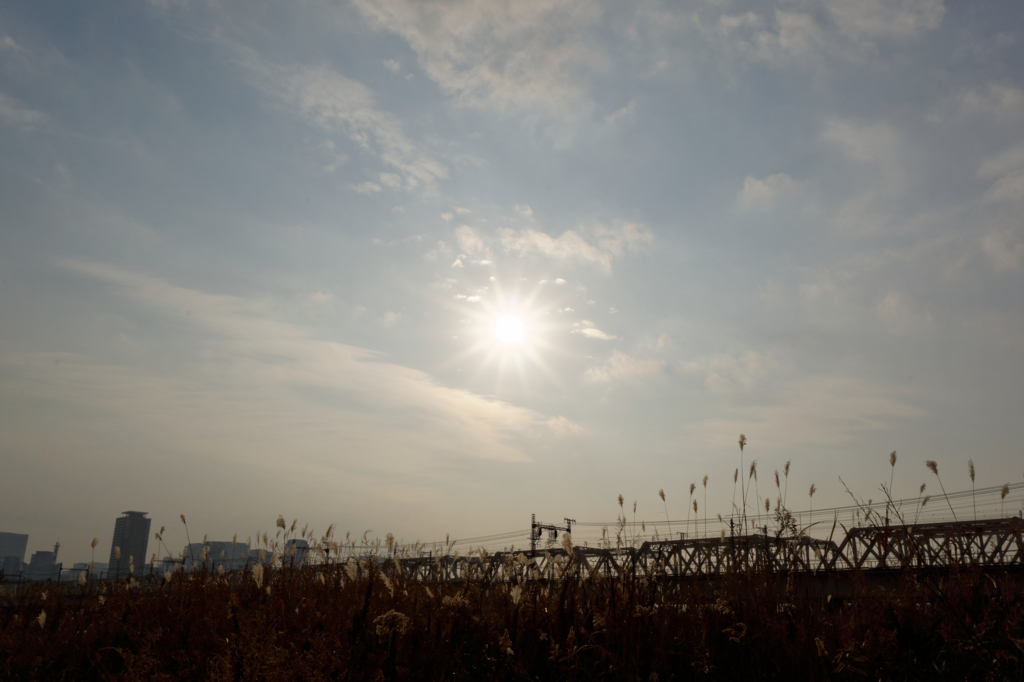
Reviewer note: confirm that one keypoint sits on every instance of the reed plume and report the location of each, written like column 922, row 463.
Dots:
column 735, row 477
column 970, row 470
column 743, row 493
column 1002, row 496
column 661, row 494
column 935, row 470
column 693, row 486
column 705, row 505
column 892, row 466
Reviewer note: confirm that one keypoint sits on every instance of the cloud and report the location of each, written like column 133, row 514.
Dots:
column 392, row 180
column 255, row 376
column 317, row 297
column 875, row 143
column 898, row 313
column 470, row 242
column 8, row 43
column 1010, row 188
column 335, row 103
column 1002, row 163
column 818, row 410
column 885, row 19
column 725, row 372
column 1002, row 250
column 588, row 330
column 995, row 99
column 763, row 193
column 606, row 243
column 561, row 426
column 16, row 116
column 622, row 367
column 504, row 56
column 367, row 188
column 626, row 114
column 796, row 36
column 392, row 65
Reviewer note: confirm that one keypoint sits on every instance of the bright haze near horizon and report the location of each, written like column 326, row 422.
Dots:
column 429, row 267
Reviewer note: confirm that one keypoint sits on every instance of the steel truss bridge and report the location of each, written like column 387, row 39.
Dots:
column 990, row 544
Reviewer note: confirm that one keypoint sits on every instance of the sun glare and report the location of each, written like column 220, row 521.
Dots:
column 509, row 329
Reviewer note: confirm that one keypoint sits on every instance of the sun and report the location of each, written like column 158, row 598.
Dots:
column 508, row 329
column 508, row 334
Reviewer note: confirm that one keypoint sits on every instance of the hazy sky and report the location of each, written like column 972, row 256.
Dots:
column 252, row 256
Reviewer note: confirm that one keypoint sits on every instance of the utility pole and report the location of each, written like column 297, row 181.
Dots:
column 537, row 529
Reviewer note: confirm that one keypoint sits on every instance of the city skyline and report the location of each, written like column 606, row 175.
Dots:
column 429, row 267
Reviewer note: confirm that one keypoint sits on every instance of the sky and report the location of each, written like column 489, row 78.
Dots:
column 429, row 267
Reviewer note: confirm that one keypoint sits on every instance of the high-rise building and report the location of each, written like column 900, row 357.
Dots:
column 131, row 538
column 13, row 544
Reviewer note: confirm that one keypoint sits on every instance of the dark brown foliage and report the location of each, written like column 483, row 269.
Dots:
column 318, row 623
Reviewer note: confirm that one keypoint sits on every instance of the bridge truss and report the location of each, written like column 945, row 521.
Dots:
column 985, row 544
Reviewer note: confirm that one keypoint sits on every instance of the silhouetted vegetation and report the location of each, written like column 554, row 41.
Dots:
column 349, row 621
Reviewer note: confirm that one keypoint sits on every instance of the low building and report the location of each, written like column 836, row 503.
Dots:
column 43, row 565
column 215, row 553
column 11, row 567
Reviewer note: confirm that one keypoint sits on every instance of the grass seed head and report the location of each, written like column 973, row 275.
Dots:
column 970, row 469
column 777, row 485
column 693, row 486
column 925, row 500
column 812, row 490
column 95, row 541
column 1005, row 491
column 933, row 466
column 117, row 553
column 695, row 506
column 743, row 442
column 705, row 481
column 182, row 518
column 892, row 459
column 280, row 522
column 661, row 494
column 785, row 469
column 735, row 475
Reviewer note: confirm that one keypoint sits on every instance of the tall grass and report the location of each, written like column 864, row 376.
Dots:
column 363, row 620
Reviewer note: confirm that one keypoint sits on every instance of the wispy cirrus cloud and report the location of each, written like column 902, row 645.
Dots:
column 519, row 56
column 598, row 247
column 252, row 371
column 13, row 114
column 335, row 103
column 623, row 367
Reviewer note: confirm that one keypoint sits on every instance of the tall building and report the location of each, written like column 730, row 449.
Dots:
column 131, row 537
column 13, row 544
